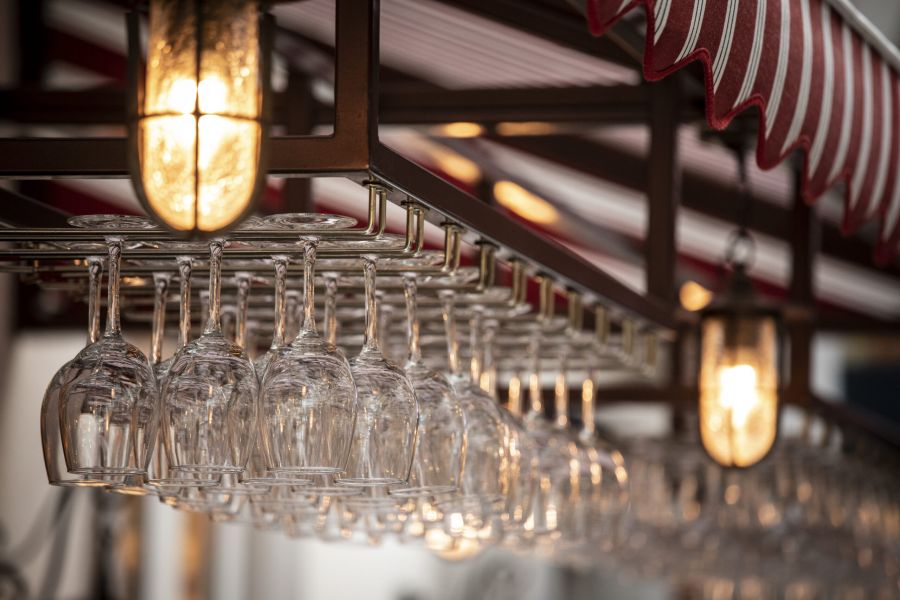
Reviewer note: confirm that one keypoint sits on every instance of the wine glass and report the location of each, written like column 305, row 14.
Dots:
column 107, row 414
column 159, row 477
column 610, row 495
column 209, row 396
column 135, row 485
column 575, row 522
column 552, row 468
column 521, row 449
column 384, row 435
column 308, row 399
column 440, row 441
column 474, row 513
column 51, row 440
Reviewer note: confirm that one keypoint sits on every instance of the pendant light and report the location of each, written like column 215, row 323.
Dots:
column 740, row 344
column 199, row 115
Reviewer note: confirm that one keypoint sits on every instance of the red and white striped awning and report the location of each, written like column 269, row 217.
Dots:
column 822, row 77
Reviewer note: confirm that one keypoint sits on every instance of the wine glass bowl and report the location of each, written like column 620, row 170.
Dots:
column 209, row 397
column 307, row 409
column 308, row 400
column 107, row 412
column 384, row 434
column 51, row 438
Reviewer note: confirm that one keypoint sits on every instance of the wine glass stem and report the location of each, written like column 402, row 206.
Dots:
column 161, row 287
column 243, row 301
column 561, row 393
column 450, row 330
column 514, row 399
column 95, row 273
column 214, row 323
column 476, row 364
column 185, row 266
column 309, row 287
column 588, row 399
column 383, row 321
column 412, row 320
column 490, row 365
column 370, row 342
column 534, row 377
column 280, row 300
column 113, row 326
column 331, row 309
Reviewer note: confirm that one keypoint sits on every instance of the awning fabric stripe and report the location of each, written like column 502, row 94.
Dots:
column 818, row 83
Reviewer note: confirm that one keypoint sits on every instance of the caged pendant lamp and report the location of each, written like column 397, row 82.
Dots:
column 740, row 341
column 198, row 118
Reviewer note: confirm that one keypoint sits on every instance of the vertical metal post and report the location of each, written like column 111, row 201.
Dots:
column 663, row 191
column 663, row 198
column 356, row 77
column 296, row 195
column 805, row 238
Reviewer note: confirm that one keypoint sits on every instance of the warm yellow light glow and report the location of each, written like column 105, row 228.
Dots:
column 738, row 394
column 738, row 389
column 461, row 129
column 199, row 143
column 525, row 204
column 693, row 296
column 455, row 165
column 526, row 128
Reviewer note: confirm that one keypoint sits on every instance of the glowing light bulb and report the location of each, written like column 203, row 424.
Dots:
column 198, row 139
column 738, row 389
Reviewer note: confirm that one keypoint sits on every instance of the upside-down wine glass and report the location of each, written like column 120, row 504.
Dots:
column 135, row 485
column 585, row 472
column 474, row 515
column 108, row 408
column 553, row 487
column 520, row 447
column 308, row 399
column 440, row 440
column 610, row 499
column 323, row 486
column 209, row 398
column 257, row 474
column 384, row 436
column 159, row 477
column 51, row 438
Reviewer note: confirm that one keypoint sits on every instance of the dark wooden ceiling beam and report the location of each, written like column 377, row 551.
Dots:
column 408, row 105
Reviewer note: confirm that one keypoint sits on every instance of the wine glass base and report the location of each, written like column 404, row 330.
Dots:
column 301, row 472
column 87, row 483
column 276, row 481
column 369, row 481
column 174, row 483
column 332, row 491
column 424, row 491
column 105, row 472
column 128, row 490
column 209, row 470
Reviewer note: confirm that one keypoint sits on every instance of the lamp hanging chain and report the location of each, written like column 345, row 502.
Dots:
column 741, row 250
